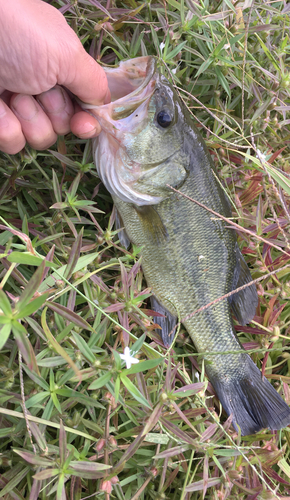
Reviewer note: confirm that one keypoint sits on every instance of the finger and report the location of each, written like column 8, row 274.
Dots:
column 6, row 96
column 36, row 126
column 12, row 139
column 58, row 107
column 87, row 79
column 84, row 125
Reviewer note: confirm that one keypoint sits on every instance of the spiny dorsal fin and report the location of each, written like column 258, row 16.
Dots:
column 152, row 223
column 243, row 303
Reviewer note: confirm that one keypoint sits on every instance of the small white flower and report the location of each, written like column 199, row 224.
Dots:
column 161, row 46
column 174, row 70
column 129, row 360
column 227, row 46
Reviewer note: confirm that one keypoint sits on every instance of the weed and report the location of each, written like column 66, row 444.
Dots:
column 75, row 422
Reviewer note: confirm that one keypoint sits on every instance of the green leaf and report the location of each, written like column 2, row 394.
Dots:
column 284, row 466
column 101, row 381
column 69, row 457
column 56, row 186
column 49, row 238
column 84, row 203
column 33, row 459
column 83, row 261
column 14, row 482
column 64, row 159
column 4, row 334
column 60, row 350
column 279, row 177
column 84, row 348
column 62, row 443
column 4, row 320
column 5, row 304
column 199, row 485
column 37, row 399
column 26, row 258
column 229, row 453
column 31, row 287
column 117, row 359
column 60, row 206
column 175, row 51
column 56, row 402
column 154, row 437
column 80, row 398
column 74, row 255
column 25, row 347
column 204, row 66
column 268, row 54
column 143, row 366
column 174, row 4
column 134, row 391
column 223, row 81
column 88, row 470
column 46, row 474
column 138, row 344
column 117, row 388
column 37, row 379
column 32, row 307
column 71, row 316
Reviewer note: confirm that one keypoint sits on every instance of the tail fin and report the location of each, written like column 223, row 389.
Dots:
column 253, row 402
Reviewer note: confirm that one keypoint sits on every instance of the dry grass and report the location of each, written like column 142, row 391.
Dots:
column 87, row 419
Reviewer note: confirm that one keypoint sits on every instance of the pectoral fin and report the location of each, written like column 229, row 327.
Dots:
column 167, row 322
column 152, row 223
column 122, row 235
column 243, row 303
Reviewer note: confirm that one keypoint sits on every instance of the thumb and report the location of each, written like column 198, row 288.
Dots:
column 87, row 79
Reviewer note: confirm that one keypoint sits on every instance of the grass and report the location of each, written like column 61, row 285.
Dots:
column 74, row 423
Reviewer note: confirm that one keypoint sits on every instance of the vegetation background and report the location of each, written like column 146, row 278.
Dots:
column 74, row 422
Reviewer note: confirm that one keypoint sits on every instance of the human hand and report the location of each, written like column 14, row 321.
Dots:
column 39, row 52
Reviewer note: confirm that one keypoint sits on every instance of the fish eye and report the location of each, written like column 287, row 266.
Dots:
column 164, row 119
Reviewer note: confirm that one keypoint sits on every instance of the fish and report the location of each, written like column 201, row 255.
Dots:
column 148, row 145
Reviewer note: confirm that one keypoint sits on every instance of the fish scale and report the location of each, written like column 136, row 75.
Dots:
column 189, row 257
column 177, row 277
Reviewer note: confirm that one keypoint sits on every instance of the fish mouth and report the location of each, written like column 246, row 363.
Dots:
column 130, row 77
column 132, row 84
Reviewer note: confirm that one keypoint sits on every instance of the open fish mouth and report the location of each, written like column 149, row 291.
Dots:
column 133, row 80
column 132, row 84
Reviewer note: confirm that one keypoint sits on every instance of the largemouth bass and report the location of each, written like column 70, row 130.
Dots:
column 189, row 257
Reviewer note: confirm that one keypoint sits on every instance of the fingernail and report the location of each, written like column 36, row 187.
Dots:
column 53, row 100
column 2, row 109
column 25, row 106
column 87, row 128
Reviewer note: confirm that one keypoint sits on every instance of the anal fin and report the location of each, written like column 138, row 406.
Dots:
column 167, row 322
column 243, row 303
